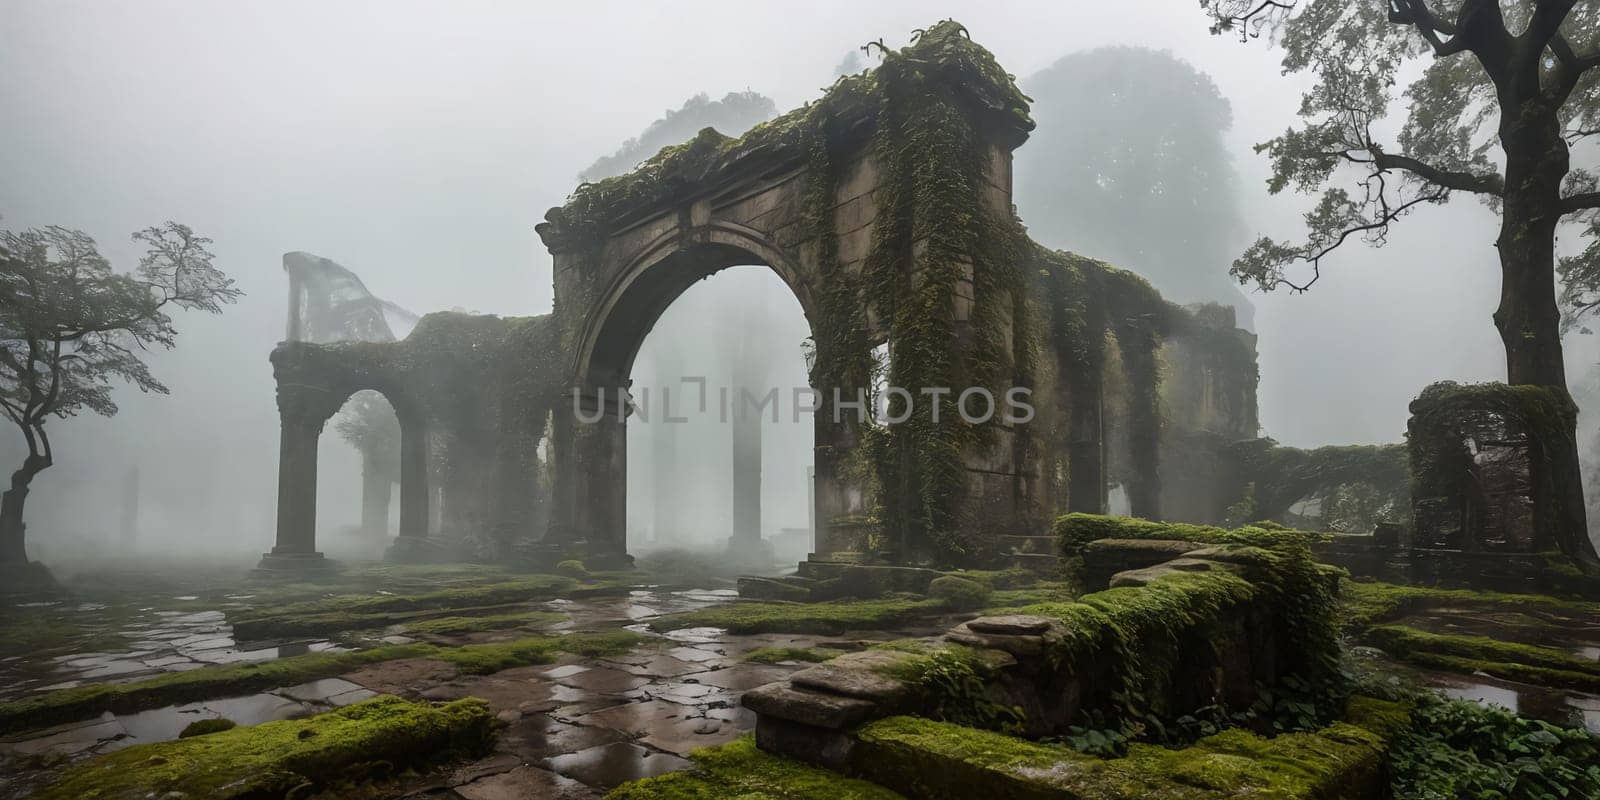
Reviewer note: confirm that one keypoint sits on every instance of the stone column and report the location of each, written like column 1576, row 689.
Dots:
column 377, row 486
column 599, row 463
column 412, row 544
column 1086, row 464
column 296, row 547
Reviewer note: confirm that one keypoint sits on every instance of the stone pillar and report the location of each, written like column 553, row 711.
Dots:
column 588, row 507
column 377, row 486
column 831, row 491
column 412, row 544
column 746, row 542
column 296, row 547
column 1086, row 463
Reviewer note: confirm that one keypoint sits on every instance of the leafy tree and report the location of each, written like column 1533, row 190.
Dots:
column 71, row 327
column 735, row 113
column 1520, row 74
column 1130, row 141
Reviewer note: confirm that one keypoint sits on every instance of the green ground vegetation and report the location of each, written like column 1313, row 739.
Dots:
column 740, row 770
column 286, row 758
column 934, row 759
column 778, row 655
column 1365, row 603
column 1457, row 749
column 83, row 702
column 1545, row 666
column 1075, row 531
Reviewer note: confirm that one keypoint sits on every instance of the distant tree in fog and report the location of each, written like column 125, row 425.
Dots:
column 1128, row 164
column 734, row 114
column 71, row 328
column 1520, row 80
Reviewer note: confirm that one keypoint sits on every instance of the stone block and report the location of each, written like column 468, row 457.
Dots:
column 808, row 707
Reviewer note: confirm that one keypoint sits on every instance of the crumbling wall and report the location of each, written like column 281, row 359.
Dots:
column 477, row 389
column 1479, row 467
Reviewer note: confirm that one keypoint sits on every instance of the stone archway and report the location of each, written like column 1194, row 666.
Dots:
column 590, row 435
column 314, row 382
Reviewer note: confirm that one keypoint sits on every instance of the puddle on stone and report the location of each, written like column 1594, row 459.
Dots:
column 610, row 765
column 1561, row 707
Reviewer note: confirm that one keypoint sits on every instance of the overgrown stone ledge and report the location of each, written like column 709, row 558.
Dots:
column 1205, row 628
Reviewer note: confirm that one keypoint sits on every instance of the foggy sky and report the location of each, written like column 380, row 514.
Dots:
column 418, row 144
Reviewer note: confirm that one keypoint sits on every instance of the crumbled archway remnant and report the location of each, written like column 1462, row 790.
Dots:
column 1480, row 481
column 485, row 384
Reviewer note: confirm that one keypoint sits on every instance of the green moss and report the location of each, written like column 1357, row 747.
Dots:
column 1404, row 642
column 202, row 727
column 83, row 702
column 829, row 618
column 573, row 568
column 492, row 622
column 1075, row 531
column 1365, row 603
column 940, row 760
column 740, row 770
column 284, row 758
column 1140, row 627
column 483, row 659
column 778, row 655
column 959, row 594
column 1007, row 600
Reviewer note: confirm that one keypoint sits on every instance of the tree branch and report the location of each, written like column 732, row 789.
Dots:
column 1580, row 202
column 1546, row 23
column 1449, row 179
column 1417, row 14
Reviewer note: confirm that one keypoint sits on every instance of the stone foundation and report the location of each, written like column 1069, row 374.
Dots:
column 1053, row 673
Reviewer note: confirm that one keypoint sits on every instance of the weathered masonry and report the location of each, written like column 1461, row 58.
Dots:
column 885, row 206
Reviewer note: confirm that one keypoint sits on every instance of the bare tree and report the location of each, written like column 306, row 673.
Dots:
column 71, row 328
column 1520, row 74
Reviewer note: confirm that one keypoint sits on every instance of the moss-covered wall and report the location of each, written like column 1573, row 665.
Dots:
column 1481, row 479
column 480, row 388
column 885, row 205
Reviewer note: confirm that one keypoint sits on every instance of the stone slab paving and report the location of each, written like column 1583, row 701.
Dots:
column 574, row 728
column 157, row 641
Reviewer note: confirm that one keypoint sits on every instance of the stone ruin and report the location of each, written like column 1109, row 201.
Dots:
column 885, row 206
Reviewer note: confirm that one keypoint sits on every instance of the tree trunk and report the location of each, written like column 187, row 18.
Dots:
column 1528, row 318
column 13, row 550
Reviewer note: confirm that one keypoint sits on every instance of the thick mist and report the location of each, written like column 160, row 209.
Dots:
column 418, row 145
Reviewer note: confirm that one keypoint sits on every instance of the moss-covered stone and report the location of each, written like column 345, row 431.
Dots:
column 279, row 759
column 779, row 655
column 1544, row 666
column 573, row 568
column 1075, row 531
column 83, row 702
column 931, row 759
column 959, row 594
column 1365, row 603
column 740, row 770
column 201, row 727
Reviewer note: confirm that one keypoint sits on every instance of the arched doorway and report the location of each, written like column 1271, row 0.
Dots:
column 591, row 437
column 718, row 457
